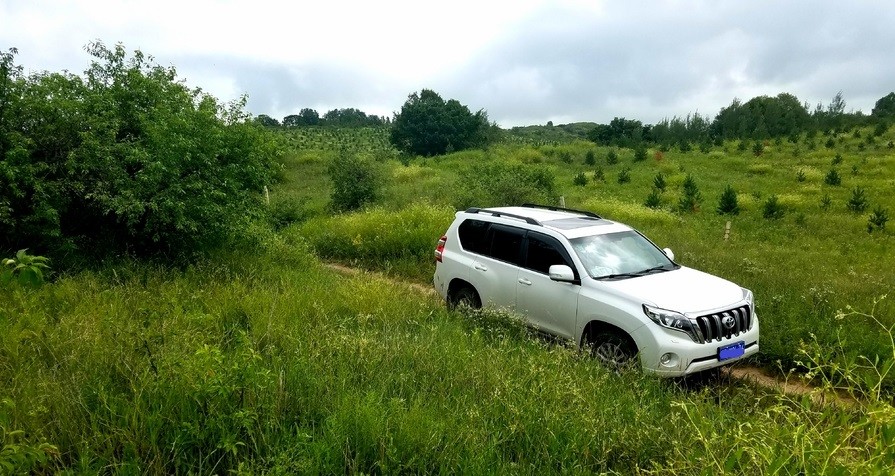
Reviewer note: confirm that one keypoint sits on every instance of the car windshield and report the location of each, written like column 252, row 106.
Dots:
column 621, row 255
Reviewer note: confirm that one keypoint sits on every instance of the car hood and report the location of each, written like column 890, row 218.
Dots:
column 682, row 290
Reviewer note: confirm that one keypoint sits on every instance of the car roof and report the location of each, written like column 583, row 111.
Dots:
column 568, row 223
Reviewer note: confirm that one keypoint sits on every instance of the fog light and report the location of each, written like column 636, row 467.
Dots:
column 669, row 360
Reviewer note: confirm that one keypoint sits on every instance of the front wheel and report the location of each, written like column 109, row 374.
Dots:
column 613, row 350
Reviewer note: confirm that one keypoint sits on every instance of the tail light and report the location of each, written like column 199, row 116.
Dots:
column 439, row 249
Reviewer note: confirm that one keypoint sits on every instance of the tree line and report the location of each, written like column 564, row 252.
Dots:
column 760, row 118
column 307, row 117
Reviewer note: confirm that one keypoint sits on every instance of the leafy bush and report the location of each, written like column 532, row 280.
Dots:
column 800, row 175
column 772, row 209
column 624, row 175
column 691, row 198
column 858, row 201
column 825, row 202
column 356, row 181
column 599, row 175
column 580, row 179
column 727, row 204
column 500, row 183
column 25, row 269
column 837, row 159
column 125, row 159
column 833, row 178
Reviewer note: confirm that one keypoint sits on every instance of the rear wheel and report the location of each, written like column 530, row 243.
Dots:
column 464, row 296
column 614, row 350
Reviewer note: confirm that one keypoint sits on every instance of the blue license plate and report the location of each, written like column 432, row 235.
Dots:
column 731, row 351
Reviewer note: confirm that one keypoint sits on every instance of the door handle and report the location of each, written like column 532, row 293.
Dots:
column 481, row 267
column 524, row 281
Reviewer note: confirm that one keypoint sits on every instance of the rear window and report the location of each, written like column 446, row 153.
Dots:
column 473, row 236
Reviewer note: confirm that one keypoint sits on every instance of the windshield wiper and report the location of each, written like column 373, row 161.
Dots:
column 654, row 269
column 612, row 277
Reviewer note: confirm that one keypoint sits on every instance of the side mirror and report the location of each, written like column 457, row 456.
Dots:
column 669, row 253
column 562, row 273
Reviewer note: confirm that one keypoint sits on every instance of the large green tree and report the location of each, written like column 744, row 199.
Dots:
column 885, row 107
column 428, row 125
column 124, row 158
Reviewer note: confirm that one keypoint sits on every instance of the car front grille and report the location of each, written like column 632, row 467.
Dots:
column 725, row 324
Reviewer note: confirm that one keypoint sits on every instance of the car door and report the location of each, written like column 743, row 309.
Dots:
column 494, row 271
column 550, row 305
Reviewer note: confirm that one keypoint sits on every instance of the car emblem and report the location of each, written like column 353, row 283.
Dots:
column 728, row 321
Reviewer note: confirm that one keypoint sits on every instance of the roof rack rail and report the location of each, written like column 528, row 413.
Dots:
column 561, row 209
column 496, row 213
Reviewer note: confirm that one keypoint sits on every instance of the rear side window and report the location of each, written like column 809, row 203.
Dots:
column 506, row 244
column 543, row 252
column 473, row 236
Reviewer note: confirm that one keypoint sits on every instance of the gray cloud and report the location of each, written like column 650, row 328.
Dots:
column 658, row 60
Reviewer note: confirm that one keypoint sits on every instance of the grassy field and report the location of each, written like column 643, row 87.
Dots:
column 260, row 360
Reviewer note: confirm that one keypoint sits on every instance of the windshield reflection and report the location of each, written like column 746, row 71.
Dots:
column 625, row 254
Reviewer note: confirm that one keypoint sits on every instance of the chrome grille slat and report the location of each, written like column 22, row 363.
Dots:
column 713, row 328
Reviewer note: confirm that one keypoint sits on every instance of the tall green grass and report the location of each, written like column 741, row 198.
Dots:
column 398, row 242
column 265, row 362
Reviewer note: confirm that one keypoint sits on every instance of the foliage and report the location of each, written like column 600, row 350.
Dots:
column 125, row 159
column 27, row 270
column 884, row 107
column 619, row 132
column 691, row 197
column 833, row 178
column 800, row 175
column 356, row 181
column 640, row 154
column 772, row 209
column 654, row 199
column 825, row 202
column 427, row 125
column 499, row 183
column 580, row 179
column 624, row 175
column 599, row 175
column 590, row 158
column 757, row 148
column 727, row 204
column 878, row 219
column 659, row 182
column 399, row 242
column 612, row 157
column 858, row 201
column 837, row 159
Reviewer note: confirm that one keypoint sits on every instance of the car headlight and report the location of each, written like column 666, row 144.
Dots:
column 672, row 320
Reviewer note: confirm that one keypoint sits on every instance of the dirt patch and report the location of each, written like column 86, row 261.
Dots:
column 792, row 384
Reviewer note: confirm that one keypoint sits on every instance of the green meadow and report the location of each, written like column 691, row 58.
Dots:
column 260, row 360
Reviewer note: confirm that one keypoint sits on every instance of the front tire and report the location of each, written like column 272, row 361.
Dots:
column 613, row 350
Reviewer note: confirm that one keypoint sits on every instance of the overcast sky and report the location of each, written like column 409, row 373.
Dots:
column 524, row 61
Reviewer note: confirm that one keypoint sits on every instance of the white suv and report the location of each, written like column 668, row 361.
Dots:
column 597, row 282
